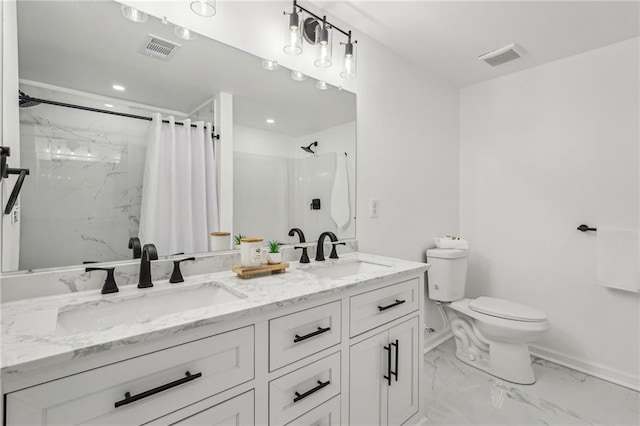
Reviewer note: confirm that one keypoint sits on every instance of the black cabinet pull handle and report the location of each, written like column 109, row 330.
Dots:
column 300, row 396
column 388, row 376
column 397, row 302
column 395, row 373
column 310, row 335
column 128, row 399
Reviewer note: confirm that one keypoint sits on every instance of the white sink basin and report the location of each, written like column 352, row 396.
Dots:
column 141, row 307
column 346, row 269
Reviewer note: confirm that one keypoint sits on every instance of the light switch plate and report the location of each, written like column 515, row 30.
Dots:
column 374, row 208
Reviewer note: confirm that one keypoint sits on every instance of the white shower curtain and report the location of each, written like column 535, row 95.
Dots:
column 179, row 196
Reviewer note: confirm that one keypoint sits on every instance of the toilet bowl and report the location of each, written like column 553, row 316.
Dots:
column 491, row 334
column 492, row 343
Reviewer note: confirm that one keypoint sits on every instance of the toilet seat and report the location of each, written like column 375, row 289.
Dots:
column 506, row 309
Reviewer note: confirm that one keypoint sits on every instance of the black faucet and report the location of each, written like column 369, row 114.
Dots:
column 109, row 285
column 305, row 257
column 149, row 253
column 320, row 247
column 134, row 244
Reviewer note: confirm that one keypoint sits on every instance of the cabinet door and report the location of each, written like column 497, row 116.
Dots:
column 368, row 362
column 403, row 392
column 237, row 411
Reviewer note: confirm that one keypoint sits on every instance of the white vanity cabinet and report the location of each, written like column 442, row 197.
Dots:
column 348, row 356
column 140, row 389
column 384, row 376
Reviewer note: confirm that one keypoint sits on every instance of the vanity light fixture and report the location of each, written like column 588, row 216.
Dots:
column 293, row 32
column 270, row 121
column 322, row 85
column 184, row 33
column 324, row 41
column 349, row 58
column 270, row 65
column 204, row 8
column 133, row 14
column 298, row 76
column 318, row 31
column 118, row 87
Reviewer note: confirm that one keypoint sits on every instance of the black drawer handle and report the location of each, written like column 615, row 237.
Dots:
column 310, row 335
column 300, row 396
column 128, row 399
column 384, row 308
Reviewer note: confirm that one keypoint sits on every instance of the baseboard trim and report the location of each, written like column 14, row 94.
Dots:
column 436, row 340
column 593, row 369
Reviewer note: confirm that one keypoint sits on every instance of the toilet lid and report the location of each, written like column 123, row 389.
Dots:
column 506, row 309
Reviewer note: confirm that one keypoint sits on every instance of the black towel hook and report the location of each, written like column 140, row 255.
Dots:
column 585, row 228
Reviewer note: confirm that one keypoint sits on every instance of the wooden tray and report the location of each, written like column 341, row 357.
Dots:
column 266, row 268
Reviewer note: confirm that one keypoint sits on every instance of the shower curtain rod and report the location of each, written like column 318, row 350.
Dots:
column 28, row 99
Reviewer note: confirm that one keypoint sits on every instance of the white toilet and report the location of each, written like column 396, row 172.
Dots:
column 491, row 334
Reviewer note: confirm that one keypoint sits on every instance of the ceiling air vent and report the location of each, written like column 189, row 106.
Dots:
column 159, row 48
column 502, row 55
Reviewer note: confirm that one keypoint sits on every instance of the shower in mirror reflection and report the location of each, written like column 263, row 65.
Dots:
column 308, row 147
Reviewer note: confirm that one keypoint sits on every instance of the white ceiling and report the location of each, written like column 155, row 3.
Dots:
column 445, row 38
column 89, row 45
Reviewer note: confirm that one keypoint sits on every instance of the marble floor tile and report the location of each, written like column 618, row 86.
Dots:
column 458, row 394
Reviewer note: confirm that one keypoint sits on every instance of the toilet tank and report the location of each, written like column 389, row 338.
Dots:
column 447, row 274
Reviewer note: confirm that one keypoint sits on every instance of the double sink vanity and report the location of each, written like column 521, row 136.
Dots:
column 326, row 343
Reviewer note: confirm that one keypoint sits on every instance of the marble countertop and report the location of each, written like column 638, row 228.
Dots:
column 31, row 334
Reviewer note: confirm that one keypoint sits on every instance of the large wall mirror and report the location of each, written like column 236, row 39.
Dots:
column 89, row 170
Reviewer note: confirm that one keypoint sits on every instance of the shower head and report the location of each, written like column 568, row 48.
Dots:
column 308, row 148
column 25, row 101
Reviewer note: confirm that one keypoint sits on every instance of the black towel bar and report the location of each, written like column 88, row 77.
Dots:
column 585, row 228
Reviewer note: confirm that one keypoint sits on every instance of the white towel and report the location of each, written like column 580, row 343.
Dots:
column 340, row 211
column 451, row 243
column 618, row 259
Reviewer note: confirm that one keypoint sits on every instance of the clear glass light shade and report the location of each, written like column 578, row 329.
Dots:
column 185, row 34
column 322, row 85
column 293, row 33
column 133, row 14
column 270, row 65
column 298, row 76
column 324, row 40
column 349, row 61
column 206, row 8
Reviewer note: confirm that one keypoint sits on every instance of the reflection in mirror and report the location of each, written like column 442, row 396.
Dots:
column 88, row 185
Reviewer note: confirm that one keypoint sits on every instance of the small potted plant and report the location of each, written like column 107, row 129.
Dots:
column 274, row 255
column 236, row 241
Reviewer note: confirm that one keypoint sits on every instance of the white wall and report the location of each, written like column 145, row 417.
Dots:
column 541, row 152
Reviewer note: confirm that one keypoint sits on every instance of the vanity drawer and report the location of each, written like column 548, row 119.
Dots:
column 295, row 393
column 157, row 384
column 326, row 414
column 232, row 412
column 298, row 335
column 374, row 308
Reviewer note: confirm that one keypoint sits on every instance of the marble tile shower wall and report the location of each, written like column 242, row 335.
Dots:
column 82, row 199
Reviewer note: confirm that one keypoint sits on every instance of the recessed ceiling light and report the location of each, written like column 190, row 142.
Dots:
column 133, row 14
column 184, row 33
column 108, row 105
column 118, row 87
column 270, row 120
column 270, row 65
column 298, row 76
column 322, row 85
